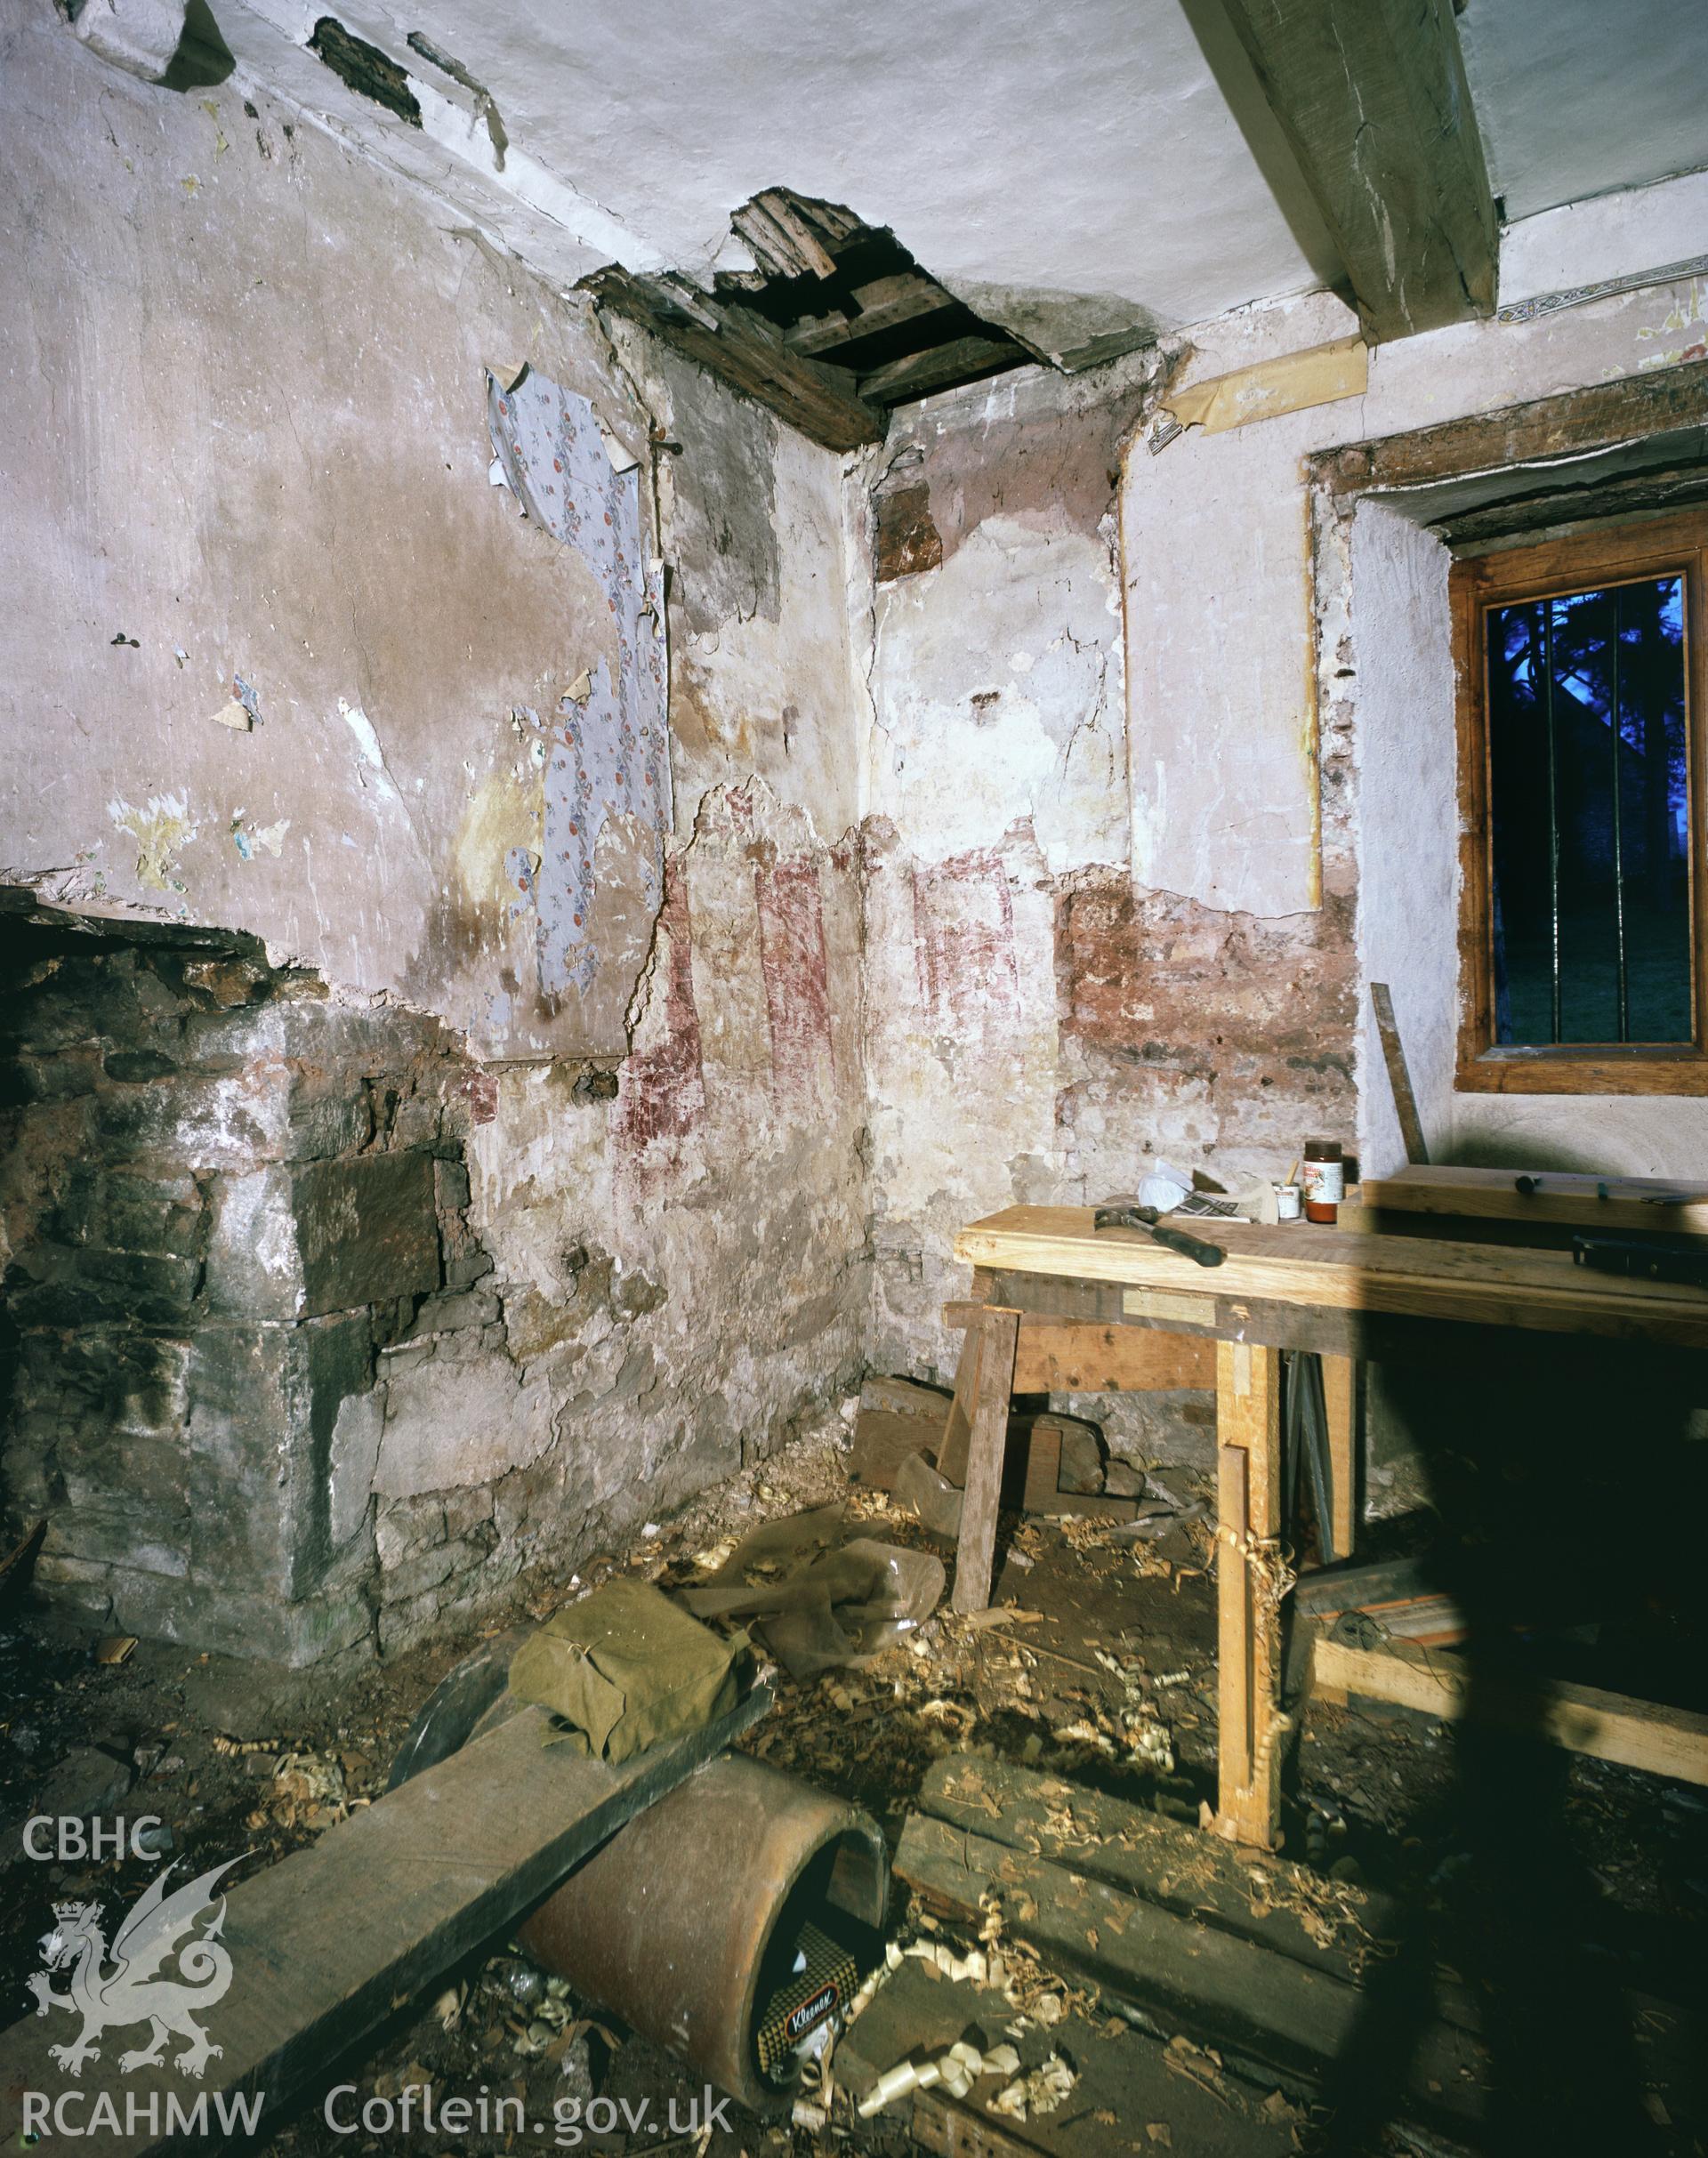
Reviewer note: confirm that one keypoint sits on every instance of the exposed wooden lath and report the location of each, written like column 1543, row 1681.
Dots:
column 834, row 325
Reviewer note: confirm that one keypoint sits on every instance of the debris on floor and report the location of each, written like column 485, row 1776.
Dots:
column 820, row 1595
column 1070, row 1968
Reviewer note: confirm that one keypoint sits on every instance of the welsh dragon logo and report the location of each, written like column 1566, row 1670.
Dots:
column 130, row 1991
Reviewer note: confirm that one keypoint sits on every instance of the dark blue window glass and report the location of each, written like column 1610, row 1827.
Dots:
column 1589, row 804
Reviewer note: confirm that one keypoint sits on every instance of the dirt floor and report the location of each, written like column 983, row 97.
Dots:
column 1097, row 1664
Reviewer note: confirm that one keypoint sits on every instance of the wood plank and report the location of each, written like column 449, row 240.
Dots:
column 1069, row 1357
column 1295, row 2019
column 1341, row 1404
column 1043, row 1465
column 1277, row 1905
column 1125, row 2078
column 1611, row 1726
column 1248, row 1619
column 1599, row 416
column 884, row 1441
column 1472, row 1350
column 899, row 1417
column 1234, row 1746
column 889, row 300
column 775, row 244
column 1372, row 97
column 1323, row 1268
column 1329, row 1590
column 881, row 305
column 1399, row 1077
column 836, row 223
column 987, row 1446
column 899, row 1396
column 816, row 333
column 1083, row 1357
column 801, row 236
column 1566, row 1199
column 916, row 374
column 1043, row 1490
column 957, row 1432
column 747, row 354
column 324, row 1944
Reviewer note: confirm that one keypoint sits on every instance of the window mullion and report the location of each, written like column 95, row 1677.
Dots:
column 1554, row 816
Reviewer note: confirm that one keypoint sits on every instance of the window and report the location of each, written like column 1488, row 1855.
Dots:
column 1580, row 694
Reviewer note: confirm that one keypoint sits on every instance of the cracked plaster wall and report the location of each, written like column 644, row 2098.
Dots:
column 249, row 440
column 1049, row 1009
column 997, row 833
column 963, row 881
column 250, row 432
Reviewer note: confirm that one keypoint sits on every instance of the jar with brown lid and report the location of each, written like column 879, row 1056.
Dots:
column 1324, row 1179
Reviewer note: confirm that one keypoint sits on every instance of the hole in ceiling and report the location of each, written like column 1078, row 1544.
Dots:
column 850, row 296
column 834, row 326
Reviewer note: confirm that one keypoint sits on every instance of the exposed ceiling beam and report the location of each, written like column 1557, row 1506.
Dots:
column 1373, row 98
column 937, row 367
column 746, row 351
column 882, row 304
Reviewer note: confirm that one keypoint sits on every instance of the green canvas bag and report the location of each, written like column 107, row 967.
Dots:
column 625, row 1668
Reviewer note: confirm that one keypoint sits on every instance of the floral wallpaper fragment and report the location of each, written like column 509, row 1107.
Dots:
column 608, row 754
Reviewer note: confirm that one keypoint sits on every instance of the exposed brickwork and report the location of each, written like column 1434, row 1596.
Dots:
column 1228, row 1036
column 906, row 541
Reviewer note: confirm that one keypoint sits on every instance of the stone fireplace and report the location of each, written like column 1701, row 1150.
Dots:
column 234, row 1217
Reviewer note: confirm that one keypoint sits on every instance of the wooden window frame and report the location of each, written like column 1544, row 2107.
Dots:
column 1618, row 554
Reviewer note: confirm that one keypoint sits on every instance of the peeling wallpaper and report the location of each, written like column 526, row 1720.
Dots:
column 605, row 753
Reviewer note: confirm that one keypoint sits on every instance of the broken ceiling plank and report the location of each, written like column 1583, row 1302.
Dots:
column 815, row 332
column 887, row 301
column 694, row 304
column 778, row 207
column 746, row 353
column 938, row 367
column 884, row 304
column 831, row 219
column 776, row 248
column 767, row 243
column 1373, row 98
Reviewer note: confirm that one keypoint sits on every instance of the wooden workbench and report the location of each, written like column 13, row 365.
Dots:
column 1345, row 1293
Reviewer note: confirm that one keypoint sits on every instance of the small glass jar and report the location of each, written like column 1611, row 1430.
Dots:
column 1324, row 1179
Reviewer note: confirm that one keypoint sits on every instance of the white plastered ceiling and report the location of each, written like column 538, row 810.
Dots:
column 1084, row 151
column 1110, row 160
column 1580, row 97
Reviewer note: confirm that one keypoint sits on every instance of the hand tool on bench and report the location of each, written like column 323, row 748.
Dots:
column 1658, row 1259
column 1174, row 1239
